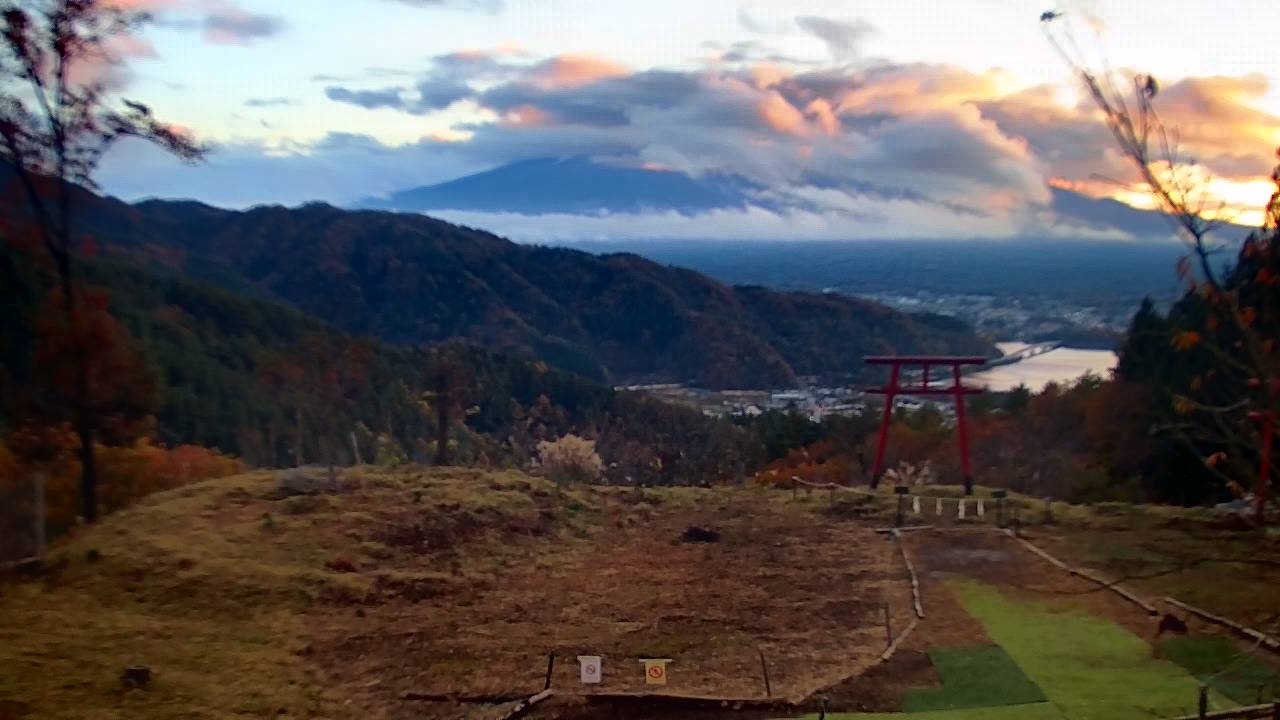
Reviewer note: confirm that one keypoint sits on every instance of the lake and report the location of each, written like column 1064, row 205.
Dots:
column 1061, row 366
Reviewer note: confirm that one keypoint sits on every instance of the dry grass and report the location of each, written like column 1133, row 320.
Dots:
column 432, row 580
column 461, row 581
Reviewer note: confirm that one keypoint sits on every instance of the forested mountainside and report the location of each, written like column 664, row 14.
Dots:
column 410, row 279
column 268, row 383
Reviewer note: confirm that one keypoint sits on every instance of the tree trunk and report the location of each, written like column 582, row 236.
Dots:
column 39, row 527
column 271, row 443
column 331, row 454
column 297, row 440
column 355, row 449
column 442, row 428
column 88, row 473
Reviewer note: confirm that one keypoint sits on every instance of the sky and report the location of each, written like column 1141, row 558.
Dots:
column 850, row 118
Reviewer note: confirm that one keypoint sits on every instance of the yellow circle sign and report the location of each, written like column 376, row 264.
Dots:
column 655, row 671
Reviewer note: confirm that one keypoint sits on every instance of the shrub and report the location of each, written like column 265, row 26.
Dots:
column 570, row 459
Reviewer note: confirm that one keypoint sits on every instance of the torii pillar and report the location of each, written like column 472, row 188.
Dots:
column 957, row 390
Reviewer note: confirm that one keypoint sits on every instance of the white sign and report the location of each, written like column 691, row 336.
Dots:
column 589, row 667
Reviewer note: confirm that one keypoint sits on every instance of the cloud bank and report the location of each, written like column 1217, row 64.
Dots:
column 862, row 148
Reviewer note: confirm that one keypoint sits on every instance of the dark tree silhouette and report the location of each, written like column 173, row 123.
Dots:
column 447, row 383
column 58, row 117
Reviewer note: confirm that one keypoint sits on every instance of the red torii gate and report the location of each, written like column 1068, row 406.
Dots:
column 956, row 390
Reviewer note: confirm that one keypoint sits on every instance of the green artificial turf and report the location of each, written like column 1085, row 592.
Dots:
column 1089, row 667
column 973, row 678
column 1220, row 664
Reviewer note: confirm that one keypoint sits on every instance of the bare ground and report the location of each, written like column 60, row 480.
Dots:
column 806, row 591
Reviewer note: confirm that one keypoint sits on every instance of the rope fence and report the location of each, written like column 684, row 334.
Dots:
column 923, row 505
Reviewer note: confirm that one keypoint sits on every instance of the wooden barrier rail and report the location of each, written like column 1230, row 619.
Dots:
column 893, row 646
column 1268, row 710
column 1262, row 639
column 911, row 572
column 1090, row 576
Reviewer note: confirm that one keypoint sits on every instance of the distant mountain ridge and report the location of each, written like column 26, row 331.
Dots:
column 582, row 186
column 574, row 185
column 408, row 278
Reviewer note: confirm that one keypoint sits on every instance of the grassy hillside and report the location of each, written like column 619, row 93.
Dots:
column 246, row 604
column 208, row 586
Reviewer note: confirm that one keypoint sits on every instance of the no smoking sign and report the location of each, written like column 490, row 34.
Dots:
column 589, row 668
column 655, row 671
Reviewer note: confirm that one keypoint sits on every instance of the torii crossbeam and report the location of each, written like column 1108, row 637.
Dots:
column 957, row 390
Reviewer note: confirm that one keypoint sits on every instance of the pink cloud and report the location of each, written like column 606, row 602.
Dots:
column 820, row 110
column 781, row 115
column 570, row 71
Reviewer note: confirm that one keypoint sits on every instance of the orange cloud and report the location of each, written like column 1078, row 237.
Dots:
column 915, row 88
column 526, row 116
column 820, row 110
column 570, row 71
column 768, row 75
column 1218, row 121
column 781, row 115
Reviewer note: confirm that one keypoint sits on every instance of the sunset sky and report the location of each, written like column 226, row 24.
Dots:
column 935, row 119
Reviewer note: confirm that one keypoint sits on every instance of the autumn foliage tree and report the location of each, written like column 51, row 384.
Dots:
column 323, row 376
column 1228, row 320
column 59, row 115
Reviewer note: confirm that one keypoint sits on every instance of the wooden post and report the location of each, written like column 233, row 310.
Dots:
column 795, row 486
column 764, row 669
column 39, row 519
column 888, row 629
column 1204, row 701
column 901, row 490
column 551, row 663
column 1000, row 495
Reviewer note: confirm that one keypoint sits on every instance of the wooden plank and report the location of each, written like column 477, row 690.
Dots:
column 893, row 647
column 1090, row 576
column 483, row 699
column 904, row 528
column 1251, row 711
column 1262, row 639
column 525, row 706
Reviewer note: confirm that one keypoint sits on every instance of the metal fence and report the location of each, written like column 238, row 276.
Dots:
column 22, row 516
